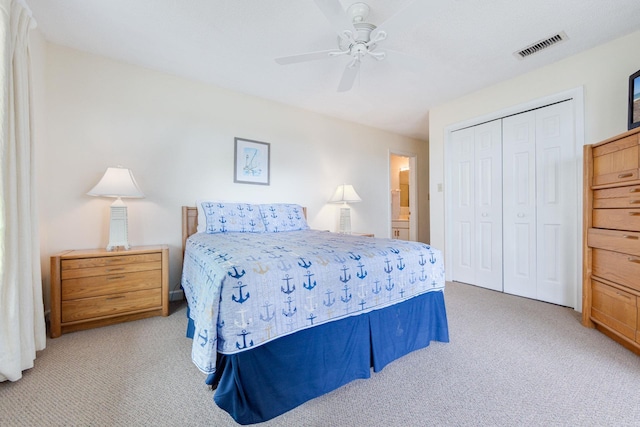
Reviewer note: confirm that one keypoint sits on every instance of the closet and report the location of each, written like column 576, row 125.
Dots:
column 514, row 204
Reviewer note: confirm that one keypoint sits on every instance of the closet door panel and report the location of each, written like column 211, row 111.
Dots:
column 463, row 205
column 519, row 186
column 488, row 211
column 477, row 205
column 557, row 199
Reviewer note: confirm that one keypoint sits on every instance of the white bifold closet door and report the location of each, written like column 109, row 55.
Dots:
column 539, row 200
column 514, row 204
column 477, row 205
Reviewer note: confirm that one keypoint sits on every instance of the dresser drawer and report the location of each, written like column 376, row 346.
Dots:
column 106, row 285
column 95, row 307
column 617, row 219
column 618, row 197
column 109, row 270
column 106, row 261
column 616, row 162
column 627, row 242
column 614, row 308
column 616, row 267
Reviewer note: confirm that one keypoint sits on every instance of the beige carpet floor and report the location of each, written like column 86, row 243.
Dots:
column 511, row 362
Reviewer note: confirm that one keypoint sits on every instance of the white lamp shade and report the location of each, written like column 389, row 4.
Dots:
column 345, row 194
column 117, row 182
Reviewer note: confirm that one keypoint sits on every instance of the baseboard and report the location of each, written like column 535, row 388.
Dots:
column 176, row 295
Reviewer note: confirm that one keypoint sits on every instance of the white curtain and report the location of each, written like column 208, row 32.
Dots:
column 22, row 327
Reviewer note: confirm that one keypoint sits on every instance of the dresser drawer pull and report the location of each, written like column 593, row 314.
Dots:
column 633, row 259
column 634, row 202
column 634, row 190
column 625, row 175
column 634, row 213
column 122, row 277
column 627, row 236
column 122, row 268
column 116, row 297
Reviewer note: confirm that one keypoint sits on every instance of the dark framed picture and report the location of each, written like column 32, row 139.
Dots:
column 251, row 161
column 634, row 100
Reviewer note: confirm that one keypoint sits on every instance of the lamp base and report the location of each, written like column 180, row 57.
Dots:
column 118, row 228
column 345, row 220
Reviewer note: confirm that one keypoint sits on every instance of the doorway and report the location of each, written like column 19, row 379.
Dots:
column 403, row 196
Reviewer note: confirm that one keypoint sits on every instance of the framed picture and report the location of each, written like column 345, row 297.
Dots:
column 634, row 100
column 251, row 162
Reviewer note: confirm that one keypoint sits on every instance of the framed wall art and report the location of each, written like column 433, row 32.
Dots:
column 634, row 100
column 251, row 162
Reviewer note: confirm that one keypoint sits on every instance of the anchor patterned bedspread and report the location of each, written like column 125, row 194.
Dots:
column 247, row 289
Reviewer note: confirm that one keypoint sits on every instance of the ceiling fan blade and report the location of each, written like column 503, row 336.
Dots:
column 403, row 20
column 311, row 56
column 338, row 18
column 349, row 76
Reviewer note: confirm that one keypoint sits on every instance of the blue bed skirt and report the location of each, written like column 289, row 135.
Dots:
column 257, row 385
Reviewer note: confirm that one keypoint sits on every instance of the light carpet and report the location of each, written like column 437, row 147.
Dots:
column 511, row 361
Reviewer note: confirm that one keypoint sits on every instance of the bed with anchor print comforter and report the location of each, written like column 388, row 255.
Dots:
column 245, row 290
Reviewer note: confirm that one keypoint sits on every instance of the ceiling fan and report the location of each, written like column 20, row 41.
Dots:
column 357, row 38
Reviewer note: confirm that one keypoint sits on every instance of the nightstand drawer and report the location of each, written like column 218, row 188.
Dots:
column 614, row 308
column 109, row 270
column 106, row 285
column 105, row 261
column 108, row 305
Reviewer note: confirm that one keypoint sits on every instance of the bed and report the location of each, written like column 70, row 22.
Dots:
column 280, row 314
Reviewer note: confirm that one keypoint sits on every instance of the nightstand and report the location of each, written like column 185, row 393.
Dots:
column 96, row 287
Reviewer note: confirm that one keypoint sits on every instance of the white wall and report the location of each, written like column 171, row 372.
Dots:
column 603, row 72
column 177, row 137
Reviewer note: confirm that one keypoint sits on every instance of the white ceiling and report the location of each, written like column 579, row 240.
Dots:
column 461, row 45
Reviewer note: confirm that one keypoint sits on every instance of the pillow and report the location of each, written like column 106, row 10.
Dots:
column 223, row 217
column 283, row 217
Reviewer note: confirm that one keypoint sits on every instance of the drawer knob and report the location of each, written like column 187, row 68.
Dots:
column 634, row 259
column 115, row 269
column 634, row 190
column 634, row 202
column 634, row 213
column 115, row 277
column 625, row 175
column 116, row 297
column 628, row 236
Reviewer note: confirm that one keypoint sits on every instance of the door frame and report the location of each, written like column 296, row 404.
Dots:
column 577, row 95
column 413, row 192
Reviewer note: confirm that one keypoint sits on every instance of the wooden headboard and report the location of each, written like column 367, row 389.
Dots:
column 190, row 223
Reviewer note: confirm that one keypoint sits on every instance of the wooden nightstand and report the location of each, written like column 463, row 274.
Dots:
column 363, row 234
column 95, row 287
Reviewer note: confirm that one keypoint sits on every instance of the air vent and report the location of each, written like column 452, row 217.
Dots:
column 541, row 45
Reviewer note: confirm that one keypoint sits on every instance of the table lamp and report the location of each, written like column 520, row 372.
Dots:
column 344, row 194
column 117, row 182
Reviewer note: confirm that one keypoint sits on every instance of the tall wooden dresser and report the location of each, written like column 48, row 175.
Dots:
column 611, row 267
column 91, row 288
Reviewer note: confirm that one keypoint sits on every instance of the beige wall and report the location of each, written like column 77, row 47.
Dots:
column 177, row 137
column 603, row 73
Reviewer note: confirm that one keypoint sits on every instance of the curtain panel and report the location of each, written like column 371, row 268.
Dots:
column 22, row 326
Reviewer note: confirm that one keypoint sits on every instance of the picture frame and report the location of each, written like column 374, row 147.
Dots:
column 252, row 162
column 634, row 100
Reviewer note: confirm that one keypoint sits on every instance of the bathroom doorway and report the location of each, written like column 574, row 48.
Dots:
column 403, row 195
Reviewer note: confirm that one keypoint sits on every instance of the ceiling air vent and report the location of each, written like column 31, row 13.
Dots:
column 541, row 45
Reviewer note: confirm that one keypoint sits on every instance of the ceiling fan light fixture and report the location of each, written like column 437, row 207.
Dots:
column 358, row 12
